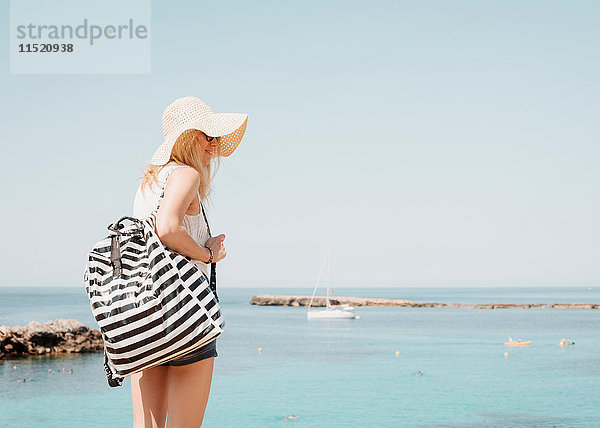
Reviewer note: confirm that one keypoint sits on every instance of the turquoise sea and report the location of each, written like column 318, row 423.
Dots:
column 343, row 373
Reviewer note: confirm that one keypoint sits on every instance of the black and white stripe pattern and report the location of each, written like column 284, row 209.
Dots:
column 152, row 304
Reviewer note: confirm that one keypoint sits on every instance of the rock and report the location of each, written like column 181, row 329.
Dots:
column 51, row 337
column 80, row 339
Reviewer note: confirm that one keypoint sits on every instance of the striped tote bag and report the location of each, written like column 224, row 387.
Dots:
column 151, row 303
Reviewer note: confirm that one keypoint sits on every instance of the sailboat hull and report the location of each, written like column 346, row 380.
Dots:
column 329, row 314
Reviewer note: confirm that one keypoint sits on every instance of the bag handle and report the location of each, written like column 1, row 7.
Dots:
column 117, row 226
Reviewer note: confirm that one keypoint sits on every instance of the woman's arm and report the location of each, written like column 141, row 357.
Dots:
column 180, row 190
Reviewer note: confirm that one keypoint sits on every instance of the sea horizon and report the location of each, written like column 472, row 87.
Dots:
column 371, row 286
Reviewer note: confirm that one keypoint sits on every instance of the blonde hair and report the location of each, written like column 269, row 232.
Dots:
column 186, row 151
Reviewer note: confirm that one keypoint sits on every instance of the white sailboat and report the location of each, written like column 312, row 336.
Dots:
column 344, row 312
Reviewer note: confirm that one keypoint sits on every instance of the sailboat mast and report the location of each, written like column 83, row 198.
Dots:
column 328, row 271
column 318, row 280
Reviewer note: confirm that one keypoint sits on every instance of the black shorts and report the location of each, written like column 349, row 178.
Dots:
column 206, row 351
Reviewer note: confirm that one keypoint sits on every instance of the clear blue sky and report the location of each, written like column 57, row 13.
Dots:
column 434, row 143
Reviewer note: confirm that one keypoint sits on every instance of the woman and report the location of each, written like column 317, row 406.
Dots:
column 194, row 135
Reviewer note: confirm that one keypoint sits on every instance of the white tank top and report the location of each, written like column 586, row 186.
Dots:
column 147, row 201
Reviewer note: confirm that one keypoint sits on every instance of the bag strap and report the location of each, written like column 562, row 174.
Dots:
column 113, row 379
column 162, row 189
column 213, row 266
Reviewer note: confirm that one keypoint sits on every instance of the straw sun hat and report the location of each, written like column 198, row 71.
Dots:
column 192, row 113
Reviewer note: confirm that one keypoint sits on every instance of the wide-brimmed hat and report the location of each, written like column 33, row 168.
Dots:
column 192, row 113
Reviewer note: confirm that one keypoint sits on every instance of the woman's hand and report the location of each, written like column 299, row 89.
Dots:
column 216, row 245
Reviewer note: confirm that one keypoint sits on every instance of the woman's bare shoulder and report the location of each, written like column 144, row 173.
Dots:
column 184, row 175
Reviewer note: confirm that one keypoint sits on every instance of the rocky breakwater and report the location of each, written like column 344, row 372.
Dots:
column 277, row 300
column 52, row 337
